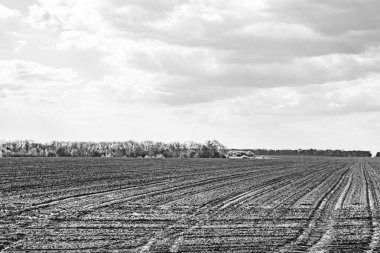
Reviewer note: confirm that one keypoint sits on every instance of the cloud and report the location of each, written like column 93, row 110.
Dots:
column 203, row 51
column 64, row 14
column 199, row 79
column 14, row 71
column 330, row 99
column 240, row 27
column 332, row 17
column 196, row 52
column 26, row 81
column 6, row 13
column 132, row 87
column 20, row 44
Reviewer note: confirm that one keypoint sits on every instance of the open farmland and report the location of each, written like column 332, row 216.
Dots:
column 190, row 205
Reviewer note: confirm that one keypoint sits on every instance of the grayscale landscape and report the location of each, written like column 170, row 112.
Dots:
column 189, row 126
column 289, row 204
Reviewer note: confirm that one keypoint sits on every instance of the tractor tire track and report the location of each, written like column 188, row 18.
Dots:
column 213, row 207
column 300, row 243
column 88, row 208
column 324, row 241
column 174, row 236
column 217, row 207
column 84, row 196
column 174, row 188
column 161, row 191
column 370, row 204
column 237, row 200
column 373, row 206
column 304, row 187
column 214, row 204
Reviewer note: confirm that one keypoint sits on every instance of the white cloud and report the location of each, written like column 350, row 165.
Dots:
column 132, row 87
column 334, row 98
column 202, row 51
column 6, row 13
column 30, row 82
column 65, row 14
column 13, row 71
column 76, row 39
column 195, row 48
column 20, row 44
column 333, row 17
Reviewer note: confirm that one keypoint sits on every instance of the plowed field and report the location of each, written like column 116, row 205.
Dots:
column 190, row 205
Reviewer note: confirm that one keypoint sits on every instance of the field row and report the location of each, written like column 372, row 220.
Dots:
column 277, row 205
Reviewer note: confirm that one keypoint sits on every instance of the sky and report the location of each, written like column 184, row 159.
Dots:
column 251, row 74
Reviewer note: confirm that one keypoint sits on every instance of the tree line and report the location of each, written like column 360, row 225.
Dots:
column 312, row 152
column 144, row 149
column 150, row 149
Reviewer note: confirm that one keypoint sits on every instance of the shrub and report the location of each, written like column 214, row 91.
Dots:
column 62, row 152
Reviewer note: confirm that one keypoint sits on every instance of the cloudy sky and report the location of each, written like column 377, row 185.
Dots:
column 259, row 74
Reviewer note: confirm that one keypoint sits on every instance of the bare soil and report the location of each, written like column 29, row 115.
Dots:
column 296, row 204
